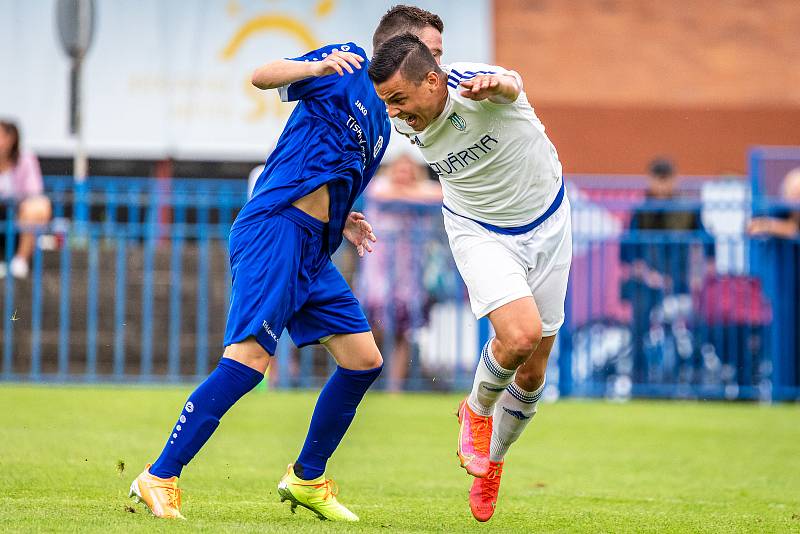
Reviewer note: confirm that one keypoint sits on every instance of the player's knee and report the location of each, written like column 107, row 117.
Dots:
column 249, row 353
column 522, row 343
column 373, row 361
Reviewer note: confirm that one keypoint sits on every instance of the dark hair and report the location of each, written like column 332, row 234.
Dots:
column 403, row 19
column 404, row 53
column 661, row 168
column 11, row 129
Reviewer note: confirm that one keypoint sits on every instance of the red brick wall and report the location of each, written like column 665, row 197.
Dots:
column 617, row 82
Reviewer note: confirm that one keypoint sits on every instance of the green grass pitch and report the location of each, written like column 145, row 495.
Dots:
column 582, row 466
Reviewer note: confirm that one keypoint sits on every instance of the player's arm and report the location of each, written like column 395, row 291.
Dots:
column 498, row 88
column 283, row 72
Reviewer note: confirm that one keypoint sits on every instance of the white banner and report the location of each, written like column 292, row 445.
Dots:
column 172, row 78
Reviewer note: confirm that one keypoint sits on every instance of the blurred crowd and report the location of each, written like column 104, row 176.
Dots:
column 666, row 256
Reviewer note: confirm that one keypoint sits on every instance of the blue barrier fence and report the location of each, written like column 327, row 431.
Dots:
column 130, row 282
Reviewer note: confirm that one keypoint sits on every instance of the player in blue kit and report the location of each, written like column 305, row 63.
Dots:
column 283, row 276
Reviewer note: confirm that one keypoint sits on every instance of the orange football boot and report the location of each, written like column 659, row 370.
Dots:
column 161, row 495
column 483, row 495
column 474, row 437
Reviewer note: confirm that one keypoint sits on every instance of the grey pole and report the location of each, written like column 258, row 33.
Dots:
column 75, row 26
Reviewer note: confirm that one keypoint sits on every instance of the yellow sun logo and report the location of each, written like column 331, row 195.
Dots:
column 270, row 23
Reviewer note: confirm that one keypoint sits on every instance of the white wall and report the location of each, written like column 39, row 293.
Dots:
column 171, row 78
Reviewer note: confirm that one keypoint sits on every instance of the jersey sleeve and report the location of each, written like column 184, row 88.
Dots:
column 459, row 72
column 315, row 86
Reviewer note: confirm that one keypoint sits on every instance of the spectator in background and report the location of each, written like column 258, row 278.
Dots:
column 21, row 188
column 785, row 223
column 654, row 269
column 391, row 280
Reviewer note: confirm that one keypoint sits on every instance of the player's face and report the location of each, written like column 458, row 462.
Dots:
column 416, row 103
column 431, row 38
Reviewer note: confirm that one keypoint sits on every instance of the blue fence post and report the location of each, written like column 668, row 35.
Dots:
column 306, row 367
column 565, row 347
column 36, row 313
column 119, row 306
column 283, row 353
column 484, row 331
column 64, row 310
column 91, row 306
column 756, row 158
column 174, row 355
column 9, row 311
column 81, row 207
column 146, row 370
column 201, row 359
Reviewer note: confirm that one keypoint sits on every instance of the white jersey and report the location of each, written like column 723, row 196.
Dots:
column 495, row 163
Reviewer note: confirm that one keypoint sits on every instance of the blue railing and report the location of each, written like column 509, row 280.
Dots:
column 132, row 284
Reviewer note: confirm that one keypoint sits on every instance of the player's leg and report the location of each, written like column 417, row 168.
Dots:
column 496, row 278
column 547, row 279
column 516, row 406
column 332, row 316
column 240, row 369
column 513, row 411
column 359, row 364
column 200, row 417
column 258, row 298
column 518, row 332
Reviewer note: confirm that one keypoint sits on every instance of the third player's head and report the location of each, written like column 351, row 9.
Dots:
column 409, row 81
column 411, row 19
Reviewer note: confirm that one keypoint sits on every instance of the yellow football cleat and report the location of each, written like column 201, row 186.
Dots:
column 161, row 495
column 318, row 495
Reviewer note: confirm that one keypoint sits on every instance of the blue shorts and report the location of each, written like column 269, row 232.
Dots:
column 284, row 278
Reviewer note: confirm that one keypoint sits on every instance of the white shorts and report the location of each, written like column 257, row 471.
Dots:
column 499, row 269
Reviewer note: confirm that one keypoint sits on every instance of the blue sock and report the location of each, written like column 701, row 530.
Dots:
column 201, row 414
column 335, row 409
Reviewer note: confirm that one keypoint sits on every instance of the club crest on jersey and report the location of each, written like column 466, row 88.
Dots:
column 458, row 122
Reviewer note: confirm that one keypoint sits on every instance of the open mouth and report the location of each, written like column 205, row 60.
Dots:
column 411, row 120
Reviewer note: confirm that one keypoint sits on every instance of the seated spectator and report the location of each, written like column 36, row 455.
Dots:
column 785, row 223
column 657, row 268
column 782, row 258
column 391, row 278
column 21, row 188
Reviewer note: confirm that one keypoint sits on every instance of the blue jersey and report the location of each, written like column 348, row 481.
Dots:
column 336, row 135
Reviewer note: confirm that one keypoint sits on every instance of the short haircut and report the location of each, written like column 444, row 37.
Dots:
column 404, row 53
column 661, row 168
column 404, row 19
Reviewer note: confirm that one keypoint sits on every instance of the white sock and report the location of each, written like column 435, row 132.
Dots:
column 512, row 413
column 490, row 381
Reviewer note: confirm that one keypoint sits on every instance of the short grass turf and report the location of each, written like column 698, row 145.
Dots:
column 582, row 466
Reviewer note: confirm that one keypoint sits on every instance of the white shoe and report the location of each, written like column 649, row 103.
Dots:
column 19, row 267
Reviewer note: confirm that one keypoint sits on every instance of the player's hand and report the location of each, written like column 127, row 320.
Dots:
column 481, row 87
column 359, row 232
column 336, row 62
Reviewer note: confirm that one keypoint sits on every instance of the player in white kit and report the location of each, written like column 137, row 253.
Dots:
column 508, row 223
